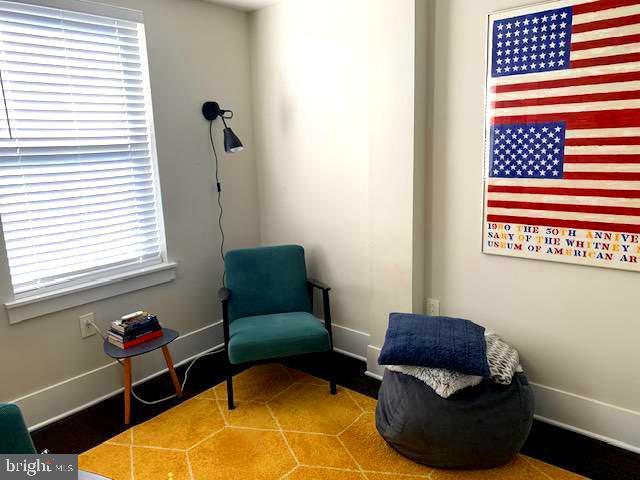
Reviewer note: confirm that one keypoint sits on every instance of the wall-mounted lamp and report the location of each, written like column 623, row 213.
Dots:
column 232, row 144
column 211, row 111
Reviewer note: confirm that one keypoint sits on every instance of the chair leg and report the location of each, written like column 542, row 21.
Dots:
column 127, row 391
column 333, row 373
column 230, row 387
column 230, row 392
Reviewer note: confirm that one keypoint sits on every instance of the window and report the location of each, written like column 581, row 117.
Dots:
column 79, row 193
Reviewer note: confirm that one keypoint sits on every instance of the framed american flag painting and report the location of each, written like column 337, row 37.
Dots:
column 562, row 133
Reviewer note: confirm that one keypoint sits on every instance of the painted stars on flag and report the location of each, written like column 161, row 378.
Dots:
column 533, row 150
column 537, row 42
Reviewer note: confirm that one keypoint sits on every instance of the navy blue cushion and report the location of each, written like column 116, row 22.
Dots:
column 438, row 342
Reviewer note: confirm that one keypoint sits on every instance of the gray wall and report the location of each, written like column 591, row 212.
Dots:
column 197, row 51
column 576, row 328
column 310, row 66
column 338, row 168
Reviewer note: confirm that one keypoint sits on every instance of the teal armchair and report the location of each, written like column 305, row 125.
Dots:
column 14, row 436
column 267, row 309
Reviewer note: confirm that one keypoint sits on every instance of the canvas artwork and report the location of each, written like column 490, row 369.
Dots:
column 562, row 137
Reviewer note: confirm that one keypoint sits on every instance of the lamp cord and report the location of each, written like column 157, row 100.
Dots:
column 209, row 352
column 219, row 187
column 186, row 373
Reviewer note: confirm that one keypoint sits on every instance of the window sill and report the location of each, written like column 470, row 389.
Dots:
column 50, row 302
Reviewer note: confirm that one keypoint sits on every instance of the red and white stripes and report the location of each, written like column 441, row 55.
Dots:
column 599, row 99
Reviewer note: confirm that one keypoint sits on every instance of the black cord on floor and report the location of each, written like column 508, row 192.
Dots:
column 219, row 187
column 186, row 373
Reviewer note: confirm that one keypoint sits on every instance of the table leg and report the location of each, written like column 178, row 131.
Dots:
column 127, row 390
column 172, row 371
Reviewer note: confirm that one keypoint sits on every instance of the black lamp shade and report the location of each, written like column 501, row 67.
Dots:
column 232, row 143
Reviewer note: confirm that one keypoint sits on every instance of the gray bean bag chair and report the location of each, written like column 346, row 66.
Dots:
column 478, row 427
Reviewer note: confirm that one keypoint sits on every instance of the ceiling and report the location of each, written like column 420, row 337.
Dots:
column 247, row 5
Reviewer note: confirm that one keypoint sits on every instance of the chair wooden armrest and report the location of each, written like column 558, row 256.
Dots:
column 318, row 284
column 224, row 294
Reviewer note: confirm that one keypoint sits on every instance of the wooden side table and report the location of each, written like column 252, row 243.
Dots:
column 126, row 355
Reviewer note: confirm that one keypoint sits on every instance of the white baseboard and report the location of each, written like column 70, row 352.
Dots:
column 62, row 399
column 74, row 394
column 373, row 369
column 609, row 423
column 373, row 375
column 350, row 342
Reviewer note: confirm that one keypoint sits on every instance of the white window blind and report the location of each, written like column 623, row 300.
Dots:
column 79, row 195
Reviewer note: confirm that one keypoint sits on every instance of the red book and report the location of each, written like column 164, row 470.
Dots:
column 137, row 341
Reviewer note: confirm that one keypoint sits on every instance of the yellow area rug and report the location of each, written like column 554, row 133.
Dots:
column 286, row 426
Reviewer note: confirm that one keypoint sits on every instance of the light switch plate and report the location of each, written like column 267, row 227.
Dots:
column 86, row 329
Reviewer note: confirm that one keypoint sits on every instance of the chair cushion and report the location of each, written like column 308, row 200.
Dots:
column 266, row 280
column 279, row 335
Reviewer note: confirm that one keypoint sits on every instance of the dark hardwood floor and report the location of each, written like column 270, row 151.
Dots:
column 92, row 426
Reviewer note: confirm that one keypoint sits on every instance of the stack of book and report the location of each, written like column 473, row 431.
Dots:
column 134, row 329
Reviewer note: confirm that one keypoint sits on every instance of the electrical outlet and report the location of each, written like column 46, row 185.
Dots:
column 433, row 307
column 86, row 329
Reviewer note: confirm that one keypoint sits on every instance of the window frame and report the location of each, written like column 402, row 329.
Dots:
column 114, row 280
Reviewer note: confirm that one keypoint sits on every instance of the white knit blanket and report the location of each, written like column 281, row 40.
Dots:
column 503, row 360
column 444, row 382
